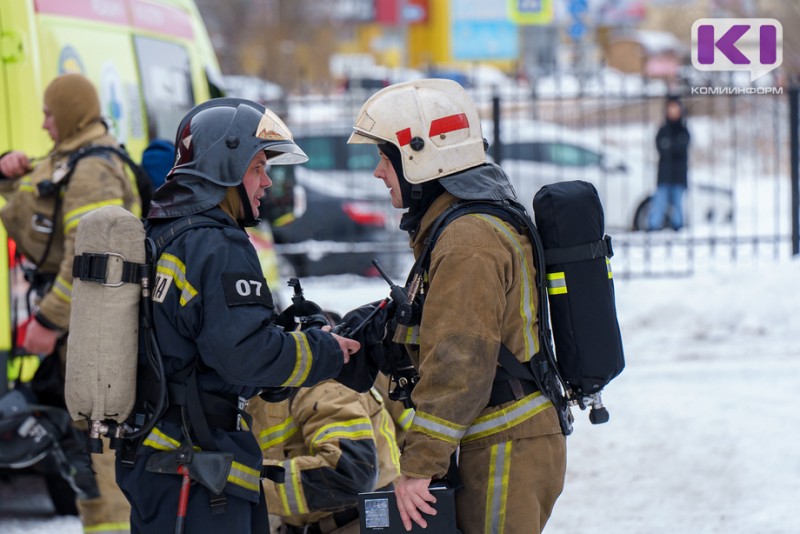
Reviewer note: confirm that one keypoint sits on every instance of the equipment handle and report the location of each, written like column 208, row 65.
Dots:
column 339, row 330
column 183, row 499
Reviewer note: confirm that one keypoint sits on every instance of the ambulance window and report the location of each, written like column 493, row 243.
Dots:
column 214, row 84
column 166, row 82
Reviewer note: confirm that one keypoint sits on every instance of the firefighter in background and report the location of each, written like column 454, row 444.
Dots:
column 42, row 216
column 479, row 298
column 213, row 317
column 333, row 443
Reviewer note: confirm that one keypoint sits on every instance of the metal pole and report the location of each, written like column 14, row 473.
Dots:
column 497, row 146
column 794, row 137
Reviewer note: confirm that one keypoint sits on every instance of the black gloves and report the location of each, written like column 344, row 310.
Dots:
column 367, row 325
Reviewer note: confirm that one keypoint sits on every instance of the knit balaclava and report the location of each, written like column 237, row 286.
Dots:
column 73, row 102
column 417, row 198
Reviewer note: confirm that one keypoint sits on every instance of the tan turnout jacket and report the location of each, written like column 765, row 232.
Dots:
column 478, row 294
column 96, row 181
column 333, row 444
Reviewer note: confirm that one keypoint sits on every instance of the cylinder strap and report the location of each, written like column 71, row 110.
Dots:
column 91, row 267
column 587, row 251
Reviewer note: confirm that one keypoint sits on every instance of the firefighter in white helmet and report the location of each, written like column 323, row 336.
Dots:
column 479, row 299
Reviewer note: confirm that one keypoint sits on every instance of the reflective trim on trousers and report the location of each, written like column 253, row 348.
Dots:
column 497, row 490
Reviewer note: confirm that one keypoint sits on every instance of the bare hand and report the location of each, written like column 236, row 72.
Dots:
column 39, row 340
column 15, row 164
column 348, row 346
column 413, row 497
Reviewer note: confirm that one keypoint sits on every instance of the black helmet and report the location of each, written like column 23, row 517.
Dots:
column 217, row 140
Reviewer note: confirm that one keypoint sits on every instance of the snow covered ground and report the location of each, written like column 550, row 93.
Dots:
column 703, row 436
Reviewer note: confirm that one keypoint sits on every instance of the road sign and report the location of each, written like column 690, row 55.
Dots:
column 531, row 12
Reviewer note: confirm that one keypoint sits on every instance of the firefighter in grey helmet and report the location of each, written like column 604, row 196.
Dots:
column 479, row 299
column 213, row 317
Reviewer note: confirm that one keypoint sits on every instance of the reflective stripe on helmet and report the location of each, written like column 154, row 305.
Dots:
column 448, row 124
column 404, row 136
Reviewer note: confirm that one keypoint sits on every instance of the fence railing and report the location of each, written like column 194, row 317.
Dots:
column 738, row 204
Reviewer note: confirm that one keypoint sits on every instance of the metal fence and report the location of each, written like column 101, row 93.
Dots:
column 738, row 205
column 739, row 202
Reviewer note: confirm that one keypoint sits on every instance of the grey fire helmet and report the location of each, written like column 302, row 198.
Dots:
column 217, row 140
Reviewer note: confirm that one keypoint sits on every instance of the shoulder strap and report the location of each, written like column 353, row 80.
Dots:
column 143, row 182
column 516, row 215
column 509, row 211
column 184, row 224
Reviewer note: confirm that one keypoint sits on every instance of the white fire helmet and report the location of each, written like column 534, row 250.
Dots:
column 432, row 121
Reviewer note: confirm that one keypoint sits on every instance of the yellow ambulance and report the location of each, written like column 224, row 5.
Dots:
column 151, row 61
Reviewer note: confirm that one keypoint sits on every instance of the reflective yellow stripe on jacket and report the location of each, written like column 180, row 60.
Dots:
column 173, row 267
column 72, row 218
column 240, row 475
column 108, row 528
column 62, row 289
column 275, row 435
column 556, row 284
column 408, row 335
column 527, row 309
column 353, row 429
column 406, row 418
column 438, row 428
column 291, row 491
column 486, row 425
column 26, row 184
column 511, row 415
column 303, row 360
column 387, row 431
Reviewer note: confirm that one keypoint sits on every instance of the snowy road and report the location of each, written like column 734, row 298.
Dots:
column 704, row 431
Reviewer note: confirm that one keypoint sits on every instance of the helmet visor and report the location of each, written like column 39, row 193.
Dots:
column 361, row 138
column 286, row 153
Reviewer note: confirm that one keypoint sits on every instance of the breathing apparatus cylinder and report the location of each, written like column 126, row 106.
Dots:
column 103, row 342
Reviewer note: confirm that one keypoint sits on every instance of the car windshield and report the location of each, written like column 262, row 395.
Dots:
column 332, row 153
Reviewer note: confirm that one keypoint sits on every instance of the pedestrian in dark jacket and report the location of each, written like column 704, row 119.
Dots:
column 672, row 143
column 213, row 319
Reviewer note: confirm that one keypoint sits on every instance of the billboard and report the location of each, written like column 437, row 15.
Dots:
column 482, row 30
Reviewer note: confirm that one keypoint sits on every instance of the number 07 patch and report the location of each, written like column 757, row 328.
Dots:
column 241, row 289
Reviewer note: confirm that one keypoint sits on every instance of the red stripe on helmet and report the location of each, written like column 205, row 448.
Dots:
column 448, row 124
column 404, row 136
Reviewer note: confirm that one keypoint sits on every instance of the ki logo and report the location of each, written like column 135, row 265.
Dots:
column 754, row 45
